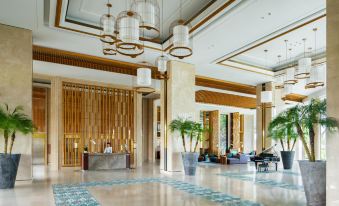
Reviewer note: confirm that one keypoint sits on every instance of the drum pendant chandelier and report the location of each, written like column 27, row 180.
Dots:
column 316, row 78
column 304, row 65
column 128, row 42
column 141, row 20
column 150, row 14
column 107, row 35
column 182, row 46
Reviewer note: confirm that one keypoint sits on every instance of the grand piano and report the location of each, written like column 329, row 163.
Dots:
column 265, row 157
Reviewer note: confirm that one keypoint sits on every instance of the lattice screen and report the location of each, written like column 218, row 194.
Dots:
column 93, row 116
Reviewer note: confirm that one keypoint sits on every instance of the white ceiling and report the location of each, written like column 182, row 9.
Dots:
column 257, row 56
column 235, row 29
column 90, row 12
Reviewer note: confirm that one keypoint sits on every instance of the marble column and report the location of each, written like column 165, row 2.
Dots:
column 262, row 124
column 332, row 149
column 180, row 102
column 16, row 86
column 138, row 144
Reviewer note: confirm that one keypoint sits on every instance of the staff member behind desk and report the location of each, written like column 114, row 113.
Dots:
column 108, row 149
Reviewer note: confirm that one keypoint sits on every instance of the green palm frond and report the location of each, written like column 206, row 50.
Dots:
column 12, row 122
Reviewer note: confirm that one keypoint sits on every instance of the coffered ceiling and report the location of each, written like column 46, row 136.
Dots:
column 85, row 14
column 228, row 36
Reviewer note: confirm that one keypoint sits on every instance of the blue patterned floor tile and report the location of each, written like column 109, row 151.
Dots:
column 77, row 194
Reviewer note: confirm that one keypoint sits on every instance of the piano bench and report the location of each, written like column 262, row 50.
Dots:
column 264, row 166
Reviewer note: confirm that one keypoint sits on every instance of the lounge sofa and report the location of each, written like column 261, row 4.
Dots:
column 239, row 159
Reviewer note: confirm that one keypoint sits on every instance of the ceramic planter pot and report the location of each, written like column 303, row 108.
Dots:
column 190, row 160
column 314, row 180
column 8, row 170
column 287, row 159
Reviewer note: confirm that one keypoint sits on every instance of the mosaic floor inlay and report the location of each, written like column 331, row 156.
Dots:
column 250, row 176
column 77, row 194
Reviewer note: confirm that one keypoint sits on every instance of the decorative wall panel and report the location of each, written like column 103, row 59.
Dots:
column 94, row 116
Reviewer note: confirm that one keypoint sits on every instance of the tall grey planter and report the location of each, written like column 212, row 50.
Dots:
column 8, row 170
column 287, row 159
column 190, row 160
column 314, row 180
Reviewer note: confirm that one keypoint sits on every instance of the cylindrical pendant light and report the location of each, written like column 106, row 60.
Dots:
column 304, row 65
column 279, row 81
column 290, row 72
column 289, row 79
column 317, row 74
column 144, row 77
column 150, row 17
column 266, row 97
column 182, row 45
column 128, row 42
column 316, row 77
column 161, row 63
column 288, row 89
column 107, row 34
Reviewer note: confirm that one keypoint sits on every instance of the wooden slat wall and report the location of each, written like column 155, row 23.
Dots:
column 96, row 114
column 39, row 109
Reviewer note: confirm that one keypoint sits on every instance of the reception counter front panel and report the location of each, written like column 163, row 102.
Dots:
column 100, row 161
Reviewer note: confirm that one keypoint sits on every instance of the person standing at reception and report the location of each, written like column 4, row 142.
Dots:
column 108, row 148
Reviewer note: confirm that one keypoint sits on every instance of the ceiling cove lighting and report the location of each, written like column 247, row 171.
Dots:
column 182, row 44
column 150, row 14
column 304, row 65
column 316, row 78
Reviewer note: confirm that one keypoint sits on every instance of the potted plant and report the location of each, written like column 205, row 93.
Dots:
column 282, row 129
column 193, row 131
column 11, row 122
column 304, row 118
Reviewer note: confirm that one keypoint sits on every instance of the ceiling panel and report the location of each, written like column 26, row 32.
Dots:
column 89, row 12
column 276, row 47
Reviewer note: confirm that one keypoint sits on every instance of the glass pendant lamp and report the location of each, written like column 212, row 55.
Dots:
column 107, row 34
column 304, row 65
column 182, row 44
column 150, row 17
column 162, row 61
column 316, row 78
column 128, row 42
column 289, row 78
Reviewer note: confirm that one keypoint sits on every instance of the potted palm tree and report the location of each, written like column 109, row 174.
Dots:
column 193, row 131
column 11, row 123
column 282, row 129
column 304, row 118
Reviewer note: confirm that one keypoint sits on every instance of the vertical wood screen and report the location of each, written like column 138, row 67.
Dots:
column 94, row 116
column 39, row 117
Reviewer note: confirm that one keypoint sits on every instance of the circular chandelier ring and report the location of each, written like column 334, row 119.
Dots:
column 180, row 57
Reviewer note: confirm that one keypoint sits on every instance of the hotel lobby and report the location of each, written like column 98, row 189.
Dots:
column 169, row 102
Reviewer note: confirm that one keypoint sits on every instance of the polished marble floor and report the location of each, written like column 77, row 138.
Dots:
column 213, row 185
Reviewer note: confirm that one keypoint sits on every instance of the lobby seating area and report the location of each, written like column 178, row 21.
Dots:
column 169, row 102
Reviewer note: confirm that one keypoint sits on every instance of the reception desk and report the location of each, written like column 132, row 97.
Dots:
column 101, row 161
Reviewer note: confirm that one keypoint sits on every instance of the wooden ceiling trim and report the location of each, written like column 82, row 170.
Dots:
column 103, row 64
column 273, row 38
column 224, row 85
column 217, row 98
column 86, row 61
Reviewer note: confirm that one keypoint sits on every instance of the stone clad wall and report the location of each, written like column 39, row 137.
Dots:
column 16, row 86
